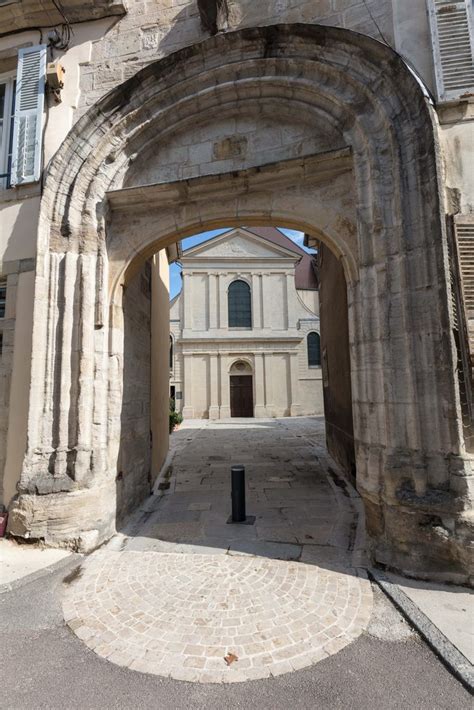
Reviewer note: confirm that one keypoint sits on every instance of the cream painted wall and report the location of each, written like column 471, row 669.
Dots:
column 280, row 377
column 20, row 383
column 459, row 160
column 18, row 224
column 159, row 360
column 200, row 384
column 310, row 300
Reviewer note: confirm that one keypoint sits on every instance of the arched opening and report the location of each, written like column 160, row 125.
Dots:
column 350, row 167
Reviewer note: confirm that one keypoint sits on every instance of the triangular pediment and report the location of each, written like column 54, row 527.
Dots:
column 239, row 244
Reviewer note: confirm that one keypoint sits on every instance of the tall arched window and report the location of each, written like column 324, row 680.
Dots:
column 239, row 305
column 314, row 350
column 171, row 352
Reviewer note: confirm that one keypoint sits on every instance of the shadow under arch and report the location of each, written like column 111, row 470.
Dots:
column 401, row 338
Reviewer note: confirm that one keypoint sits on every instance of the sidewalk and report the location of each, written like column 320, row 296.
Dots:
column 19, row 561
column 449, row 608
column 443, row 614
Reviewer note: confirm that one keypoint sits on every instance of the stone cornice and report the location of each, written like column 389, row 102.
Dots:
column 315, row 168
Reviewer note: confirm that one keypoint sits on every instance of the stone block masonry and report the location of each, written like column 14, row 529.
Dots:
column 100, row 221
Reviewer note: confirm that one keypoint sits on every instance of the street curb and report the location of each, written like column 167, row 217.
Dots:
column 29, row 578
column 452, row 658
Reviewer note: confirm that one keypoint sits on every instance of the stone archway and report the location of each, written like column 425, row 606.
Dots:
column 363, row 177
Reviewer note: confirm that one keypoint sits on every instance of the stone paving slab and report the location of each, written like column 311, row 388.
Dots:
column 179, row 615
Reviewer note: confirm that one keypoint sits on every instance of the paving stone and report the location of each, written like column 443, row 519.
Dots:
column 199, row 506
column 272, row 550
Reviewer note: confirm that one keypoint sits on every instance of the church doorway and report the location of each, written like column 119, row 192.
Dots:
column 241, row 390
column 241, row 396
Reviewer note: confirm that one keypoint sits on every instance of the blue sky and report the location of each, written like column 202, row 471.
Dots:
column 175, row 269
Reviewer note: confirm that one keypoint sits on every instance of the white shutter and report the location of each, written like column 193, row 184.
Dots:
column 464, row 228
column 28, row 120
column 453, row 47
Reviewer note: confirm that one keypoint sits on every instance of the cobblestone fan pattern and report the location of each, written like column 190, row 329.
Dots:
column 179, row 615
column 182, row 589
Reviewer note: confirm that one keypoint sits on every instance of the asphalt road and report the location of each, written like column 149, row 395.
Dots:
column 44, row 665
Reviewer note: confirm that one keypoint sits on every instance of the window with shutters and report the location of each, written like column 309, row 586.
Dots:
column 239, row 305
column 314, row 350
column 464, row 231
column 452, row 33
column 171, row 352
column 28, row 115
column 7, row 108
column 3, row 299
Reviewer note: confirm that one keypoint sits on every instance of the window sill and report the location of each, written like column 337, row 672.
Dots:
column 456, row 111
column 22, row 192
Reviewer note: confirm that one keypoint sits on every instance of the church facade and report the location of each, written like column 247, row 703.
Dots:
column 245, row 333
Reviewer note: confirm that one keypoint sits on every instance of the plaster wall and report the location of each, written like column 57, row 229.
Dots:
column 280, row 376
column 19, row 223
column 458, row 142
column 310, row 300
column 199, row 373
column 159, row 361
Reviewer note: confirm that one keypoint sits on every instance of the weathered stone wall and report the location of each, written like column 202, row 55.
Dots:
column 170, row 25
column 160, row 370
column 229, row 141
column 394, row 257
column 224, row 137
column 336, row 365
column 134, row 460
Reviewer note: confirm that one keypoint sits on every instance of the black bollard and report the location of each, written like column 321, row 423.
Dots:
column 238, row 497
column 238, row 494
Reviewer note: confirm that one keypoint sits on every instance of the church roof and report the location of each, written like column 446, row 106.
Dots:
column 305, row 274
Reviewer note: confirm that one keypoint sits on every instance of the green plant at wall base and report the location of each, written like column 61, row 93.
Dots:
column 175, row 418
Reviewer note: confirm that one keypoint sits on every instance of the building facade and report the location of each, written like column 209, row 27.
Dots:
column 126, row 126
column 245, row 333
